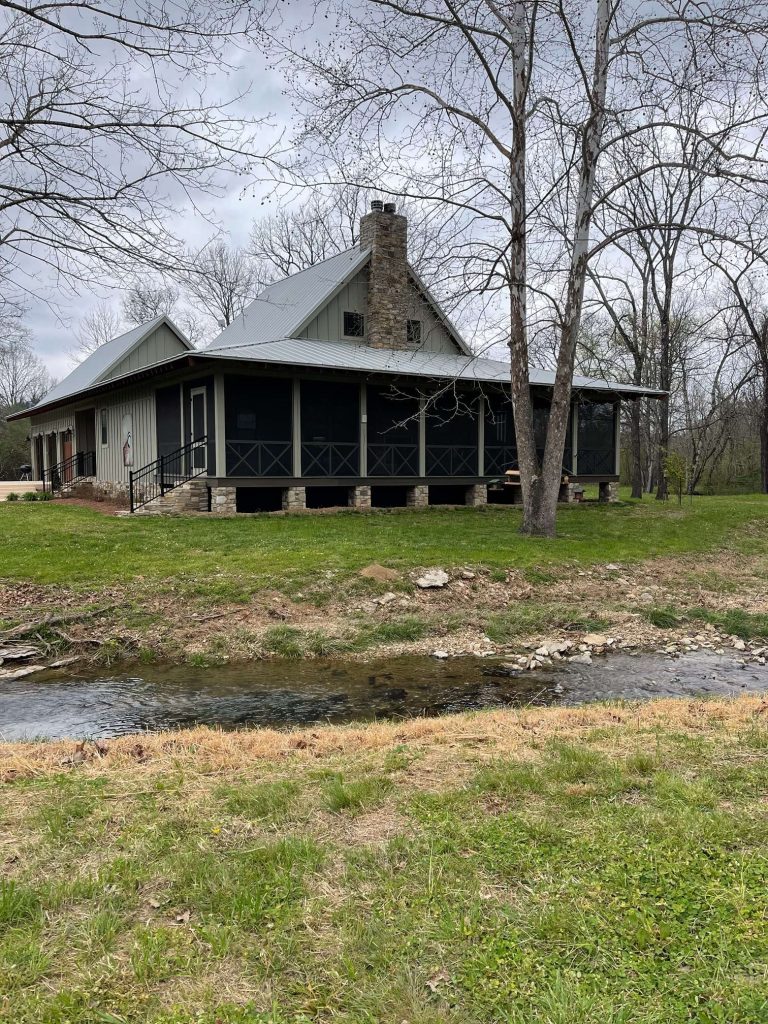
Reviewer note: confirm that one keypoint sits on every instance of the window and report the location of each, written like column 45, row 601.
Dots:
column 104, row 430
column 354, row 325
column 413, row 332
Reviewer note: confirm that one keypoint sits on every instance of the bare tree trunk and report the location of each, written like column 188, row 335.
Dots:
column 764, row 429
column 540, row 511
column 636, row 449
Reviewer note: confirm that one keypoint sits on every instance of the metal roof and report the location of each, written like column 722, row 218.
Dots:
column 334, row 355
column 284, row 307
column 96, row 365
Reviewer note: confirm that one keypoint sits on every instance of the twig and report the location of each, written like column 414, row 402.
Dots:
column 55, row 620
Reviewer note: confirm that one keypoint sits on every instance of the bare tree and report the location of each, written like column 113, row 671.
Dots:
column 23, row 377
column 102, row 131
column 745, row 269
column 147, row 300
column 222, row 280
column 458, row 101
column 96, row 328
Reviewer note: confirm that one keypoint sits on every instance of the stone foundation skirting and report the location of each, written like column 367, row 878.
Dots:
column 476, row 495
column 360, row 497
column 418, row 496
column 609, row 491
column 294, row 499
column 223, row 501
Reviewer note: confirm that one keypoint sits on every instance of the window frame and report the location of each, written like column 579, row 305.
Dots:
column 104, row 426
column 361, row 319
column 410, row 325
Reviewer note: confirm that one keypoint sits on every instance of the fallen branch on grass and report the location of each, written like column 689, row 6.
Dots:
column 24, row 629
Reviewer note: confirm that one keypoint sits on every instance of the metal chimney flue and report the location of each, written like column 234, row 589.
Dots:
column 376, row 206
column 390, row 208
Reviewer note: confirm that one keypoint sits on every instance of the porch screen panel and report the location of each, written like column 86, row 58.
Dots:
column 168, row 419
column 330, row 429
column 258, row 420
column 500, row 447
column 540, row 424
column 452, row 436
column 597, row 438
column 393, row 432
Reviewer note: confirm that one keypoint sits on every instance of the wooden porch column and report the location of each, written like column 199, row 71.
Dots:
column 296, row 426
column 220, row 421
column 363, row 429
column 422, row 436
column 481, row 436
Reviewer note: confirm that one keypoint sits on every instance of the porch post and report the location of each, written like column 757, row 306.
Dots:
column 422, row 436
column 296, row 426
column 481, row 436
column 220, row 422
column 363, row 429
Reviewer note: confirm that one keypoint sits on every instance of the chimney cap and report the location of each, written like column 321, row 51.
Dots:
column 389, row 208
column 376, row 206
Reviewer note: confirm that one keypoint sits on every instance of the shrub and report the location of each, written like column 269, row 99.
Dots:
column 29, row 496
column 44, row 496
column 13, row 496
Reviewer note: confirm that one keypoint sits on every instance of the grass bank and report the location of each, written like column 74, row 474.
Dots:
column 207, row 589
column 543, row 867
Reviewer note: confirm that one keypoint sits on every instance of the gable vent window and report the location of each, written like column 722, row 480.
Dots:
column 413, row 332
column 354, row 325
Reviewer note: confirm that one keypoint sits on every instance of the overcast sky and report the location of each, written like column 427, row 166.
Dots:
column 54, row 323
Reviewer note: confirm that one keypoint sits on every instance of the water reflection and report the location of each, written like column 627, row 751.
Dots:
column 299, row 693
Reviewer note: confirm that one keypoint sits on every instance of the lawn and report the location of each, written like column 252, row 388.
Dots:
column 544, row 867
column 56, row 543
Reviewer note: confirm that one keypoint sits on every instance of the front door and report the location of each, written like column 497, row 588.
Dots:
column 198, row 420
column 66, row 455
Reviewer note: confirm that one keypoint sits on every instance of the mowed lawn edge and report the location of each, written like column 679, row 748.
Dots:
column 54, row 543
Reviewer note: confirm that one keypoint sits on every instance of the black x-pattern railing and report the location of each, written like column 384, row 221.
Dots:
column 330, row 458
column 259, row 458
column 451, row 459
column 396, row 459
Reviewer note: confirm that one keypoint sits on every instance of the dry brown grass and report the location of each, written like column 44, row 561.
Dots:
column 205, row 751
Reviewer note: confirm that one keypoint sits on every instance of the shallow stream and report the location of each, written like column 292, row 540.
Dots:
column 101, row 704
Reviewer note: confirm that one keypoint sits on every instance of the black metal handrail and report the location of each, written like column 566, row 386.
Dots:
column 69, row 471
column 167, row 472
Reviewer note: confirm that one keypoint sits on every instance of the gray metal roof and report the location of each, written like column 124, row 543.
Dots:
column 96, row 365
column 283, row 308
column 342, row 355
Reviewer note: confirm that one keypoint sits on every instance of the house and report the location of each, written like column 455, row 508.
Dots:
column 344, row 383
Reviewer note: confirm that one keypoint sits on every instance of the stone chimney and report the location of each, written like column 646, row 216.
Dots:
column 385, row 232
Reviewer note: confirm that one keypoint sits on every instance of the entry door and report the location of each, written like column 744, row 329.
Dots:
column 198, row 420
column 66, row 453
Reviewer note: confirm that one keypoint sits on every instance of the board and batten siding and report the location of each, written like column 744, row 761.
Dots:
column 328, row 325
column 139, row 403
column 161, row 344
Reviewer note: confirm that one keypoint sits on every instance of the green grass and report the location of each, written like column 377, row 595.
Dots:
column 618, row 876
column 229, row 559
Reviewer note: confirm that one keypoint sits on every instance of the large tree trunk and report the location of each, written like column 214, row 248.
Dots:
column 665, row 382
column 636, row 449
column 541, row 510
column 764, row 430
